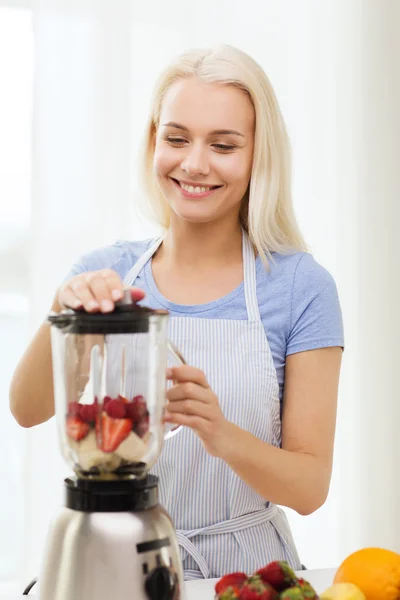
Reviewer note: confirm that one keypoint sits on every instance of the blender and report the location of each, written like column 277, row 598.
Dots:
column 112, row 539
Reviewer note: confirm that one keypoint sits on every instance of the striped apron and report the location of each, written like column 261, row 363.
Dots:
column 222, row 524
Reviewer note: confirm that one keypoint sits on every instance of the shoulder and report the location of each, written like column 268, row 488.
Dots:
column 120, row 257
column 294, row 274
column 302, row 294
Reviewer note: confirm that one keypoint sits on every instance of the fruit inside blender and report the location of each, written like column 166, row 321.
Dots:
column 107, row 433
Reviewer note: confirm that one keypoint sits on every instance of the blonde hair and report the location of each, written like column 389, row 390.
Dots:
column 267, row 213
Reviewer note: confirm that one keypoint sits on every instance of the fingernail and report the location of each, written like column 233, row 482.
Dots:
column 116, row 294
column 107, row 305
column 92, row 304
column 169, row 372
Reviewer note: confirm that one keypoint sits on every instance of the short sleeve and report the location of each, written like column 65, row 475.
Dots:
column 316, row 316
column 119, row 257
column 107, row 257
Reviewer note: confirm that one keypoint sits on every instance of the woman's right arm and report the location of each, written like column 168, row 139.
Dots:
column 31, row 389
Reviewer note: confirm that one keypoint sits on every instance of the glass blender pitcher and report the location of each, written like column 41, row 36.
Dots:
column 109, row 386
column 112, row 538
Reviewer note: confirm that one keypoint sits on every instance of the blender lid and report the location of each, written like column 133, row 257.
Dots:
column 127, row 317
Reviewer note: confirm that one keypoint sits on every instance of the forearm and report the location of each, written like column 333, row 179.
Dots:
column 293, row 479
column 31, row 390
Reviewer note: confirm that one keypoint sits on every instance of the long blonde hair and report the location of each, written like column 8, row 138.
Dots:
column 267, row 213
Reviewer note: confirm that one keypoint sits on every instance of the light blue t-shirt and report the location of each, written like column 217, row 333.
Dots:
column 297, row 298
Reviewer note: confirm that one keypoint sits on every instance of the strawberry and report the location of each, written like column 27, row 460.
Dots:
column 278, row 574
column 111, row 432
column 292, row 593
column 76, row 428
column 142, row 426
column 231, row 593
column 233, row 580
column 136, row 409
column 106, row 400
column 74, row 409
column 123, row 399
column 116, row 409
column 88, row 412
column 256, row 589
column 307, row 590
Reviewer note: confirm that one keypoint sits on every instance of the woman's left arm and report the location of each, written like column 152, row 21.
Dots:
column 296, row 475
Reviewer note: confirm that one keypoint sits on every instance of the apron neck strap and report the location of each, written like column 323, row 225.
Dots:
column 250, row 279
column 249, row 273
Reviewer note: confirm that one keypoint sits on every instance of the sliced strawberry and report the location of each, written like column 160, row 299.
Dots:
column 111, row 432
column 123, row 399
column 116, row 409
column 235, row 580
column 76, row 428
column 88, row 412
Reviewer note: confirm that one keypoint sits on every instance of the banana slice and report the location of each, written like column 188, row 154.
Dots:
column 133, row 448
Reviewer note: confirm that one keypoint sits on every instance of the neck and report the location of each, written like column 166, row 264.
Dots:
column 202, row 244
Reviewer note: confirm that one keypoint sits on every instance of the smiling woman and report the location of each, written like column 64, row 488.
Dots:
column 256, row 317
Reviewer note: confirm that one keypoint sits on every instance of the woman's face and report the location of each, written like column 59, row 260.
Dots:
column 204, row 149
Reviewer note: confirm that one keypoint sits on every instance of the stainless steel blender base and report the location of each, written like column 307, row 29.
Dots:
column 111, row 556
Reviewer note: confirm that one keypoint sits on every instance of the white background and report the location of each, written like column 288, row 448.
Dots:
column 75, row 85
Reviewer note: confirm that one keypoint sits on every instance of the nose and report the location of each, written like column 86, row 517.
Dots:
column 195, row 161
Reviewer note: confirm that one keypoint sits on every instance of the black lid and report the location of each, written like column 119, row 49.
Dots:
column 95, row 495
column 127, row 317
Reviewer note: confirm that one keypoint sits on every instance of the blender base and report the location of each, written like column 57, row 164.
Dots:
column 112, row 539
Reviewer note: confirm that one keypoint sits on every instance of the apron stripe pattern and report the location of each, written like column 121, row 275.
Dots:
column 223, row 525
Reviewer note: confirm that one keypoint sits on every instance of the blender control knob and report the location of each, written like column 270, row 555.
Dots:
column 159, row 584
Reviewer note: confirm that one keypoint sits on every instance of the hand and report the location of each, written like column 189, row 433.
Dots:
column 95, row 291
column 192, row 403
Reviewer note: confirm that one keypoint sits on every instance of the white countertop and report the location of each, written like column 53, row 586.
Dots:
column 203, row 589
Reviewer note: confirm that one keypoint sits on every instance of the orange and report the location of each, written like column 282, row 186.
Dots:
column 375, row 571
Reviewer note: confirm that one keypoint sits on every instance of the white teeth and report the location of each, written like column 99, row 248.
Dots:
column 194, row 190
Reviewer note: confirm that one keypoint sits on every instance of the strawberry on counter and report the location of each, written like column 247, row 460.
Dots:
column 278, row 574
column 256, row 589
column 228, row 586
column 275, row 581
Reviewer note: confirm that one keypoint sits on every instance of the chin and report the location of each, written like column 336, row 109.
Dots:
column 193, row 214
column 190, row 218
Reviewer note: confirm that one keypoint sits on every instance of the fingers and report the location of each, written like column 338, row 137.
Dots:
column 192, row 421
column 189, row 407
column 188, row 390
column 95, row 291
column 186, row 373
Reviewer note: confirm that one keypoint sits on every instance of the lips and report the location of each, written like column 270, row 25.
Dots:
column 195, row 189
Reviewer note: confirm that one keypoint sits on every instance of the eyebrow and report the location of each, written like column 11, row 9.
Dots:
column 215, row 132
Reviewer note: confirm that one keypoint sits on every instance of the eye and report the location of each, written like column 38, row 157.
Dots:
column 175, row 140
column 224, row 147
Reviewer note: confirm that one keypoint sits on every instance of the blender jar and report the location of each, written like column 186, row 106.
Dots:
column 109, row 373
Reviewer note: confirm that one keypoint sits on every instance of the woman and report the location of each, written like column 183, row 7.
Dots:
column 256, row 317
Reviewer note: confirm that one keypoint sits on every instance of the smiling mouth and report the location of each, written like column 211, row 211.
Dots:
column 195, row 189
